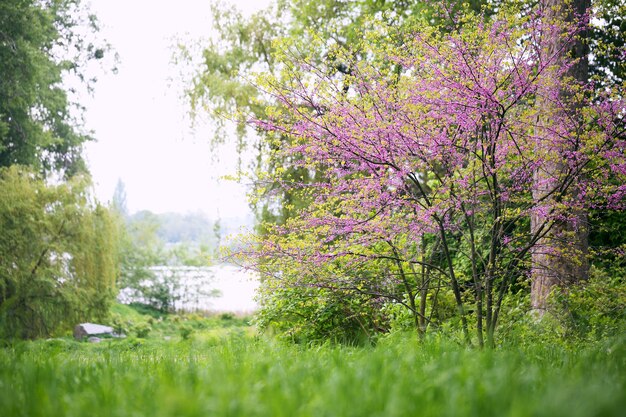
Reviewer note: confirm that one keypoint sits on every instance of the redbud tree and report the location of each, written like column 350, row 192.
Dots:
column 430, row 148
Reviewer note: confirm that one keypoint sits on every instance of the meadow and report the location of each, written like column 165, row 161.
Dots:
column 220, row 367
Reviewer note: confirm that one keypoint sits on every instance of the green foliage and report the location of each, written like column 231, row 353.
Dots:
column 309, row 303
column 39, row 44
column 142, row 321
column 168, row 239
column 521, row 327
column 587, row 313
column 58, row 255
column 136, row 319
column 118, row 202
column 239, row 376
column 138, row 309
column 227, row 317
column 607, row 242
column 313, row 315
column 441, row 311
column 595, row 309
column 142, row 330
column 186, row 332
column 160, row 292
column 608, row 40
column 140, row 249
column 189, row 227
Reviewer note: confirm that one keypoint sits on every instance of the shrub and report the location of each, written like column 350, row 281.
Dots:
column 186, row 331
column 595, row 309
column 142, row 330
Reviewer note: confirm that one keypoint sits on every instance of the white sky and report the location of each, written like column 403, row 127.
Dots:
column 140, row 122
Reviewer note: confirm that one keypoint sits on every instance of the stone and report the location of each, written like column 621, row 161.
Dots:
column 91, row 329
column 94, row 339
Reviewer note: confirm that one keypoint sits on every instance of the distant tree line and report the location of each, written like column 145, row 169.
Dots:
column 150, row 240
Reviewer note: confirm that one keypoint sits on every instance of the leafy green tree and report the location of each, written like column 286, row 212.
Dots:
column 40, row 44
column 58, row 255
column 608, row 43
column 119, row 199
column 140, row 249
column 607, row 231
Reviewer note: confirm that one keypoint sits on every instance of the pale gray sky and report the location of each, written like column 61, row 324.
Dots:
column 140, row 122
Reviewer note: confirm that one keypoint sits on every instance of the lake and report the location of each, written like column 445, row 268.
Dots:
column 218, row 288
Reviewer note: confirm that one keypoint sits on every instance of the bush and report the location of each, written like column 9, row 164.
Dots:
column 186, row 331
column 142, row 330
column 318, row 315
column 593, row 309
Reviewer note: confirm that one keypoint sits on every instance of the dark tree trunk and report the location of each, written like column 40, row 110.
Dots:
column 560, row 256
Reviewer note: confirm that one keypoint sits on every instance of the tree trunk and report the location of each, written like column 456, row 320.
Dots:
column 560, row 256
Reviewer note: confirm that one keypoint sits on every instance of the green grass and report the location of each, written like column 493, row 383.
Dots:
column 148, row 323
column 232, row 374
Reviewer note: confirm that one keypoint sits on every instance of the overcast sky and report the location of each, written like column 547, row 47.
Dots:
column 140, row 122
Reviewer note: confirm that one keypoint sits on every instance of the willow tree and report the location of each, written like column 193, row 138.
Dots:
column 58, row 255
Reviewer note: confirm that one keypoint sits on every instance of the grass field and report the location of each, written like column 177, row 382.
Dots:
column 225, row 371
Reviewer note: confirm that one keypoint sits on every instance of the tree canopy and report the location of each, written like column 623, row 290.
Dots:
column 39, row 43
